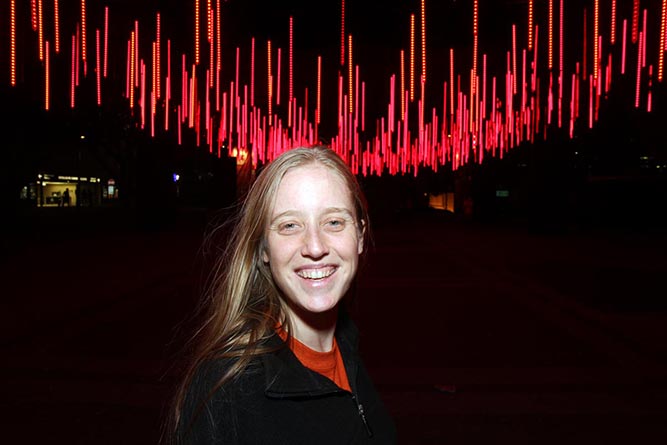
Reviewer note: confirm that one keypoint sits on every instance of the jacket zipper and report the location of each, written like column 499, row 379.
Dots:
column 362, row 415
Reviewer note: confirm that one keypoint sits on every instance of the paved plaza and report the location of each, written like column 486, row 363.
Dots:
column 474, row 332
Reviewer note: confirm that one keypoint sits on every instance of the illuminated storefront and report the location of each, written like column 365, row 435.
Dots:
column 50, row 190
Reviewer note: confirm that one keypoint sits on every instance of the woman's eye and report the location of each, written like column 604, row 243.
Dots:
column 288, row 227
column 336, row 224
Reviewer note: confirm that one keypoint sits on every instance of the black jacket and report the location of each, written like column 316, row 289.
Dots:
column 277, row 400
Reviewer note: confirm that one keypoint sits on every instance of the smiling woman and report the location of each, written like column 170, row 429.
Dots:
column 276, row 359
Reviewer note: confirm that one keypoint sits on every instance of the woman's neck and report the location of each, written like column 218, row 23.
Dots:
column 314, row 330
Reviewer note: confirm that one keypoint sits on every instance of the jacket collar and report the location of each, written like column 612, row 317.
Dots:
column 286, row 377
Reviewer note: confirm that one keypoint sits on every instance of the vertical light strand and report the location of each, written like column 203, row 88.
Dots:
column 40, row 30
column 402, row 83
column 252, row 72
column 514, row 76
column 196, row 32
column 132, row 68
column 106, row 39
column 423, row 17
column 635, row 20
column 12, row 38
column 662, row 47
column 639, row 69
column 342, row 32
column 47, row 75
column 550, row 55
column 33, row 14
column 137, row 65
column 167, row 91
column 561, row 74
column 350, row 76
column 218, row 50
column 83, row 34
column 451, row 81
column 475, row 31
column 291, row 60
column 612, row 31
column 98, row 67
column 319, row 89
column 279, row 57
column 269, row 80
column 56, row 27
column 530, row 25
column 596, row 33
column 412, row 57
column 158, row 85
column 624, row 45
column 153, row 71
column 73, row 78
column 211, row 54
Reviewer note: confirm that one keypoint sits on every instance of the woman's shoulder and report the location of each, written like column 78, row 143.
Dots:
column 223, row 374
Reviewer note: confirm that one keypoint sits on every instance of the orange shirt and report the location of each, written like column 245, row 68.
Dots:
column 329, row 364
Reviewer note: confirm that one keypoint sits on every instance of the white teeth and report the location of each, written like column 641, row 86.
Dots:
column 315, row 274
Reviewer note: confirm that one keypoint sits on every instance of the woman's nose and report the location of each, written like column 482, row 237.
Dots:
column 314, row 243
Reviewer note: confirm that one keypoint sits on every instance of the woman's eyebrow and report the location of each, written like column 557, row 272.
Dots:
column 327, row 211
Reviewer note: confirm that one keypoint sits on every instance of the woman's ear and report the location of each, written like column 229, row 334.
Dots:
column 360, row 242
column 265, row 256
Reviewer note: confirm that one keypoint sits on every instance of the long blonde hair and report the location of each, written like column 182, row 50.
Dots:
column 244, row 304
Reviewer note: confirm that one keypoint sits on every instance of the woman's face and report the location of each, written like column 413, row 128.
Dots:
column 313, row 242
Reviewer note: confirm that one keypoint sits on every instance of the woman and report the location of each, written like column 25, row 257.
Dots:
column 276, row 360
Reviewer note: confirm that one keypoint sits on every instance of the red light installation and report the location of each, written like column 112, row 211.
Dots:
column 157, row 86
column 269, row 79
column 47, row 75
column 624, row 45
column 635, row 20
column 350, row 77
column 137, row 63
column 83, row 34
column 278, row 57
column 98, row 70
column 530, row 23
column 561, row 73
column 291, row 60
column 319, row 90
column 423, row 11
column 514, row 76
column 167, row 93
column 550, row 51
column 73, row 76
column 132, row 68
column 218, row 42
column 475, row 30
column 106, row 39
column 33, row 14
column 196, row 32
column 402, row 83
column 639, row 69
column 463, row 130
column 252, row 72
column 40, row 30
column 612, row 26
column 12, row 50
column 56, row 27
column 596, row 34
column 662, row 46
column 211, row 52
column 412, row 57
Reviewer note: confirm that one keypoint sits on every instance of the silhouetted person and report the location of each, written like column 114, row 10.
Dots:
column 65, row 198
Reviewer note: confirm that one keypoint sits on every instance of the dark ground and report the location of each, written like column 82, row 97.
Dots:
column 474, row 332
